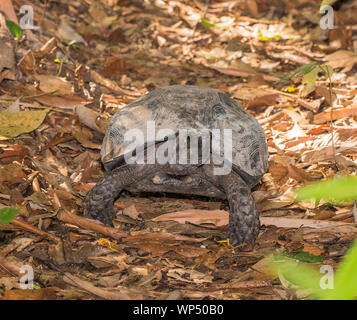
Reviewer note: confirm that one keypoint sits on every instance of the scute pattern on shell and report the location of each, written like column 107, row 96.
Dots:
column 183, row 107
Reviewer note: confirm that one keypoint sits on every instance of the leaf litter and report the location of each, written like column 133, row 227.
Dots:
column 76, row 73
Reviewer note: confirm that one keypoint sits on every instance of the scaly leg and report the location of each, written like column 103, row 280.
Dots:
column 100, row 200
column 244, row 220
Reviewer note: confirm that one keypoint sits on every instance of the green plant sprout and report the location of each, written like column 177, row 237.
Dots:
column 309, row 278
column 336, row 190
column 60, row 62
column 339, row 189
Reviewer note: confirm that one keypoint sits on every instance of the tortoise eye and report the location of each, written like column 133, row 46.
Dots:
column 218, row 110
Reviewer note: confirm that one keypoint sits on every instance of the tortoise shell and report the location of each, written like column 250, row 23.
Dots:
column 194, row 108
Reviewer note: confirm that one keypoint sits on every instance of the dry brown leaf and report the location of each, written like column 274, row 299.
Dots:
column 48, row 293
column 113, row 67
column 118, row 262
column 66, row 32
column 342, row 59
column 11, row 173
column 325, row 92
column 27, row 64
column 298, row 174
column 7, row 58
column 238, row 73
column 7, row 7
column 131, row 212
column 88, row 117
column 50, row 83
column 263, row 101
column 188, row 275
column 15, row 152
column 312, row 249
column 200, row 217
column 46, row 48
column 252, row 7
column 278, row 172
column 83, row 137
column 324, row 117
column 63, row 102
column 340, row 37
column 282, row 222
column 113, row 294
column 160, row 237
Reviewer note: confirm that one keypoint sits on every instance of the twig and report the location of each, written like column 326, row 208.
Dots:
column 20, row 223
column 331, row 117
column 92, row 225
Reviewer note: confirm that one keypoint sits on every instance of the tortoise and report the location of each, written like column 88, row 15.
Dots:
column 197, row 109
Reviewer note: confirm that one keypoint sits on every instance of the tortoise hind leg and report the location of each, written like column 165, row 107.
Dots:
column 100, row 199
column 244, row 223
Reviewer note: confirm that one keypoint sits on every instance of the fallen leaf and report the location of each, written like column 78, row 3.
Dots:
column 66, row 32
column 206, row 217
column 48, row 293
column 113, row 67
column 342, row 59
column 7, row 7
column 11, row 173
column 50, row 83
column 238, row 73
column 324, row 117
column 263, row 101
column 84, row 139
column 7, row 58
column 131, row 212
column 15, row 152
column 63, row 102
column 188, row 275
column 298, row 174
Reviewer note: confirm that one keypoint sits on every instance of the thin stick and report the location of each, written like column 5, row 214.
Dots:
column 331, row 118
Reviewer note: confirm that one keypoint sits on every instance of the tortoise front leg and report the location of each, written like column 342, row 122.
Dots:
column 99, row 201
column 244, row 220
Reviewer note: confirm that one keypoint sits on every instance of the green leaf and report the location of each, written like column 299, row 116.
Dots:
column 297, row 273
column 207, row 24
column 310, row 79
column 300, row 71
column 327, row 69
column 308, row 277
column 345, row 284
column 307, row 257
column 14, row 28
column 343, row 189
column 7, row 215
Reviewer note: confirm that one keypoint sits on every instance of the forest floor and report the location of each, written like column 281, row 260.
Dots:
column 87, row 59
